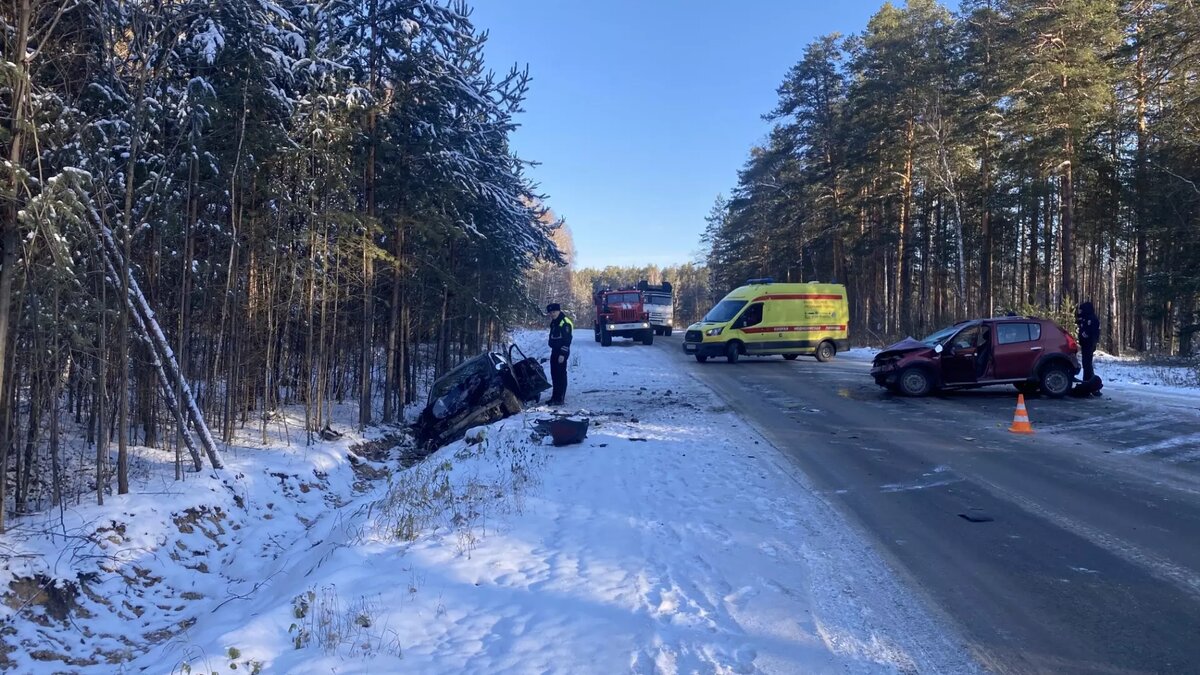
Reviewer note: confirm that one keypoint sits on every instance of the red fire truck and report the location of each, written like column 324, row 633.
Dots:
column 622, row 313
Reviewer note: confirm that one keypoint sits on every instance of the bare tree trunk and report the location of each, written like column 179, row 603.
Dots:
column 1141, row 196
column 1034, row 214
column 101, row 393
column 1067, row 229
column 55, row 391
column 987, row 305
column 366, row 365
column 1048, row 248
column 394, row 377
column 185, row 303
column 10, row 239
column 904, row 252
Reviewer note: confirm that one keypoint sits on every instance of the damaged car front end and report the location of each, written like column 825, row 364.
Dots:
column 890, row 363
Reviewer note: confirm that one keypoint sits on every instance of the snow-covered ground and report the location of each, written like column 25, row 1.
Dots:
column 674, row 539
column 1133, row 372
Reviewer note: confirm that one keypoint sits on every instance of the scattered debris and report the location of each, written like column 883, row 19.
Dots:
column 976, row 517
column 562, row 430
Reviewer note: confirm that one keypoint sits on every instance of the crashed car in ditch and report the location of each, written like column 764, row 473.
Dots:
column 1032, row 354
column 479, row 391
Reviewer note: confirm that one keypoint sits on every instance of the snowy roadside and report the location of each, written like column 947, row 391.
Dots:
column 674, row 539
column 1130, row 372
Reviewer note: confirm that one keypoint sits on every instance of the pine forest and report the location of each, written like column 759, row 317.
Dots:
column 999, row 156
column 212, row 209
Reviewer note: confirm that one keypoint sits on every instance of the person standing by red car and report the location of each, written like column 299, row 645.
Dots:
column 1089, row 336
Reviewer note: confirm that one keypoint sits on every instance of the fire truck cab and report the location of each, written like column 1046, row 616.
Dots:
column 622, row 313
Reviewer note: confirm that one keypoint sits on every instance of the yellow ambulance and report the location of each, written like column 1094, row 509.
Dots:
column 764, row 318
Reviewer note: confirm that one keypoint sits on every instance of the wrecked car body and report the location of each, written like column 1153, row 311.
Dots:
column 479, row 391
column 1032, row 354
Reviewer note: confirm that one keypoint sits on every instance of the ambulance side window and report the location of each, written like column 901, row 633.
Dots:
column 752, row 316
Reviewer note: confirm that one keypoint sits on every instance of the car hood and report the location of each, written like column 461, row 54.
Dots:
column 904, row 346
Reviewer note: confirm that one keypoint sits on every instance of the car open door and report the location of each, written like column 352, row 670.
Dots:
column 959, row 355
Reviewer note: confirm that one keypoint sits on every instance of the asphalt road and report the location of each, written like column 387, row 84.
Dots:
column 1075, row 550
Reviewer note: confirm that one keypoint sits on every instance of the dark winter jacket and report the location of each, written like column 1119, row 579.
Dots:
column 560, row 332
column 1089, row 326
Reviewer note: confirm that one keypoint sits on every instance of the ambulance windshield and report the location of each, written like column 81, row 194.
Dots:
column 724, row 311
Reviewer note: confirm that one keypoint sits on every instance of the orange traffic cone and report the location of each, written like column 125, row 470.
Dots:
column 1020, row 423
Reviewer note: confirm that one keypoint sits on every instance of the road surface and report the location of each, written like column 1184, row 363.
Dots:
column 1076, row 550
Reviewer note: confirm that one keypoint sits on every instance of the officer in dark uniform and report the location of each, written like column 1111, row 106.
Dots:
column 561, row 328
column 1089, row 336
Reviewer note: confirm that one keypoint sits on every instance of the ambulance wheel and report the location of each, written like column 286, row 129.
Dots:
column 826, row 351
column 701, row 358
column 732, row 351
column 667, row 332
column 790, row 357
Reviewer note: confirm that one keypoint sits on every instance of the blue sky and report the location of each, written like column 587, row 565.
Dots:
column 642, row 111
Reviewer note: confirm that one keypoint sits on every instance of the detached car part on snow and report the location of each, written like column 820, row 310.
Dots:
column 480, row 391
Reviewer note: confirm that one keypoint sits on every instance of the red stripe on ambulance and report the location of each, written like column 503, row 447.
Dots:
column 792, row 329
column 798, row 296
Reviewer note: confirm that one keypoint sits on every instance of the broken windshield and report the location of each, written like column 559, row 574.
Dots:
column 941, row 336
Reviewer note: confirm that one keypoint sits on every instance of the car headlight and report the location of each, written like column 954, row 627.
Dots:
column 714, row 331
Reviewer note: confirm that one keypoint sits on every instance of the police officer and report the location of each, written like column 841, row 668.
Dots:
column 1089, row 336
column 561, row 328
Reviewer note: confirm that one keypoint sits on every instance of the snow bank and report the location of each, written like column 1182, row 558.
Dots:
column 674, row 539
column 1127, row 371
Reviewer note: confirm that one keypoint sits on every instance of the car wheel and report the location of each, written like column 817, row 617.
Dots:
column 826, row 351
column 732, row 352
column 701, row 358
column 648, row 337
column 667, row 332
column 915, row 382
column 790, row 357
column 605, row 338
column 1056, row 381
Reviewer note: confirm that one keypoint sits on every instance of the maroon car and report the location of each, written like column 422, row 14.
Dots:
column 1032, row 354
